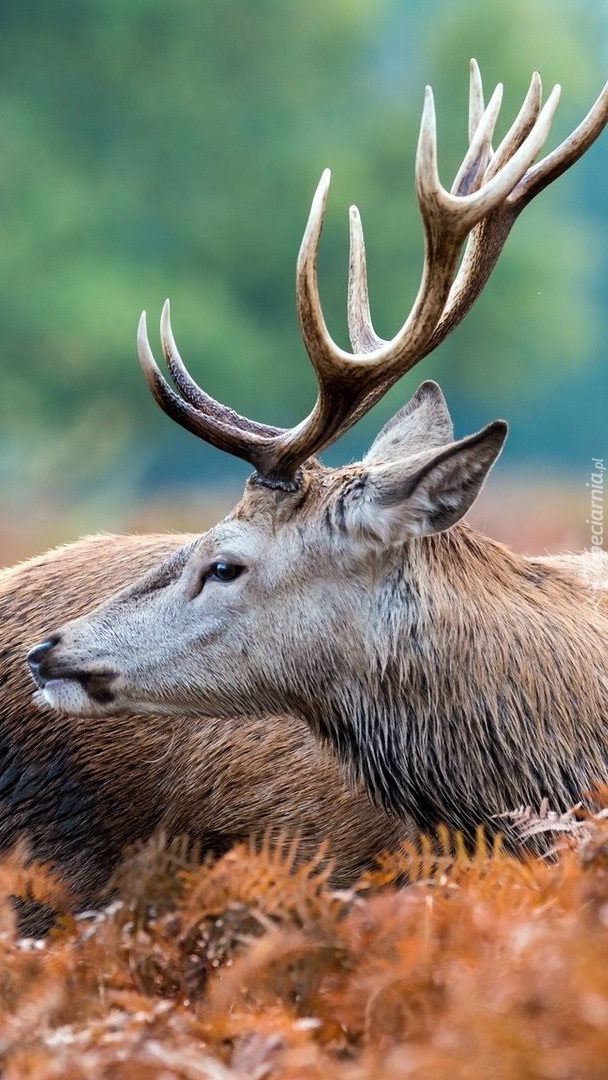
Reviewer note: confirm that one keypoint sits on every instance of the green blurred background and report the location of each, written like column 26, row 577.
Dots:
column 171, row 147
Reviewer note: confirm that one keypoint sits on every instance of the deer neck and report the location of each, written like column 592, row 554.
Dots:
column 461, row 709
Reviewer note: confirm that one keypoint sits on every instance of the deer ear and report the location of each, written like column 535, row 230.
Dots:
column 430, row 492
column 420, row 425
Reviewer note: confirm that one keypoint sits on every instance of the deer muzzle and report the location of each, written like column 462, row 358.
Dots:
column 68, row 688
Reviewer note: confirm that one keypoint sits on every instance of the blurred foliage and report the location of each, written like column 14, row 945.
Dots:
column 154, row 148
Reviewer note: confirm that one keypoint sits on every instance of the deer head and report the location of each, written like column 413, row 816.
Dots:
column 352, row 597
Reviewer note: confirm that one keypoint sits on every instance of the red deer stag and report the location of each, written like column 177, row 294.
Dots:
column 454, row 678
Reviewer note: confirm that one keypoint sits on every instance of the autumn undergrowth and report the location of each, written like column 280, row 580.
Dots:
column 441, row 962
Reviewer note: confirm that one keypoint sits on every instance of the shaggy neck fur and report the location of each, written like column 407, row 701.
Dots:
column 470, row 703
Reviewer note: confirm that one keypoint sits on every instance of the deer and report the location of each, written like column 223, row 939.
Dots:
column 451, row 678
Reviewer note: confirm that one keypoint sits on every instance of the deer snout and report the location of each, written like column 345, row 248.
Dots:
column 38, row 659
column 66, row 685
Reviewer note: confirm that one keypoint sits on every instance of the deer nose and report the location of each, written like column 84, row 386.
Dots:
column 38, row 655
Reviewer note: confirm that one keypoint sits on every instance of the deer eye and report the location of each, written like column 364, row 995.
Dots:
column 223, row 571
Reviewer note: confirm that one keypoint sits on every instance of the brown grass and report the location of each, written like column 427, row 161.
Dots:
column 483, row 966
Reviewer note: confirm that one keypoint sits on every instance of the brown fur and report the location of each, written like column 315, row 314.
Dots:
column 456, row 678
column 82, row 789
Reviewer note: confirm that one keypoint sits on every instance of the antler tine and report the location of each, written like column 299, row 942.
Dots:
column 325, row 355
column 565, row 155
column 520, row 128
column 470, row 173
column 476, row 105
column 363, row 337
column 191, row 391
column 208, row 419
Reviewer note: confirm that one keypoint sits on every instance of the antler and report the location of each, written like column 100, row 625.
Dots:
column 489, row 192
column 487, row 240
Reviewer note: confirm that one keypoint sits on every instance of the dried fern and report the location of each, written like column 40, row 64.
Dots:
column 449, row 959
